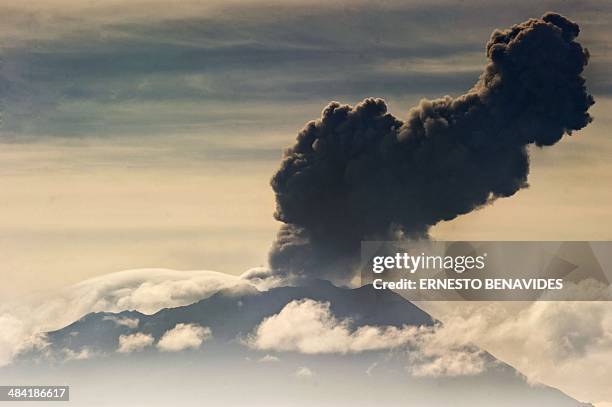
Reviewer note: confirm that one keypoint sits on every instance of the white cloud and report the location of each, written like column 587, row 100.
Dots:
column 12, row 336
column 16, row 336
column 309, row 327
column 144, row 290
column 184, row 336
column 263, row 278
column 134, row 342
column 304, row 373
column 268, row 359
column 131, row 323
column 149, row 290
column 443, row 351
column 567, row 345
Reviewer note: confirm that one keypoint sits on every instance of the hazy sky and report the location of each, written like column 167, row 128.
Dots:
column 135, row 134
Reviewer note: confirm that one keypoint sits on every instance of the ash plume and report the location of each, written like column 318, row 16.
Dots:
column 359, row 173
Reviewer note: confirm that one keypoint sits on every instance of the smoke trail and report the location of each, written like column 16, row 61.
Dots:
column 360, row 173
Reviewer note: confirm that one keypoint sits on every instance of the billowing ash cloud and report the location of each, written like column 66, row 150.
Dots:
column 360, row 173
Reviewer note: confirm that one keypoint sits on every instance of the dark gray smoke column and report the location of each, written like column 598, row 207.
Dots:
column 360, row 173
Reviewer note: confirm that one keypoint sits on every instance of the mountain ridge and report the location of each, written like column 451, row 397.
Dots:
column 234, row 314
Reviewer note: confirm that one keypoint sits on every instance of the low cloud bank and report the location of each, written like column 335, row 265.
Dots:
column 149, row 290
column 309, row 327
column 144, row 290
column 567, row 345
